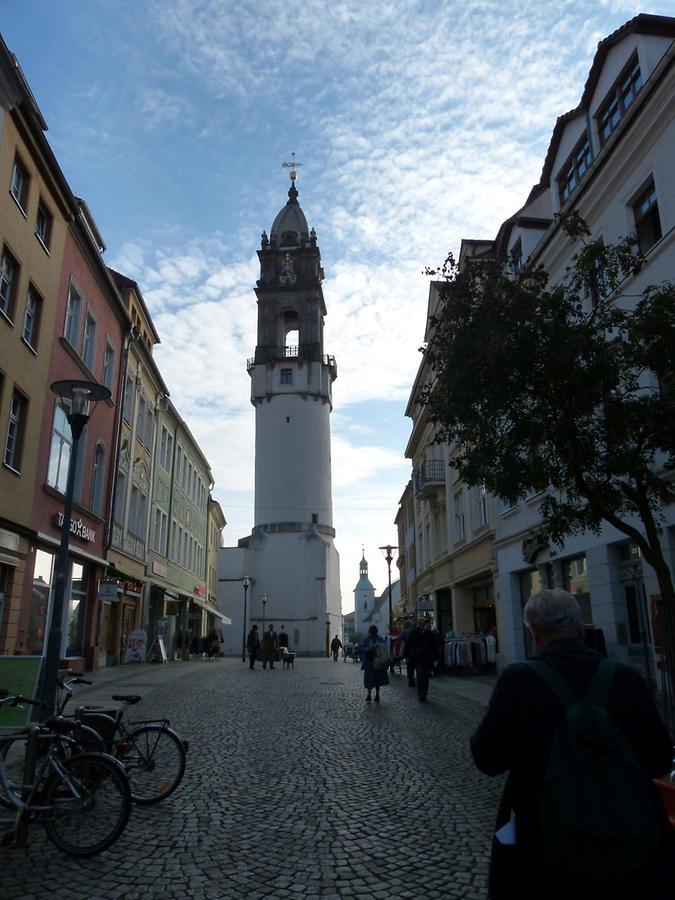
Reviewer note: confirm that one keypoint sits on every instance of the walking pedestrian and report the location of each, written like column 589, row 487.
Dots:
column 252, row 646
column 373, row 675
column 283, row 637
column 409, row 667
column 420, row 652
column 335, row 646
column 270, row 647
column 525, row 719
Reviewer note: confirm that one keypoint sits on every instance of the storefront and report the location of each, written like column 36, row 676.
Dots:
column 119, row 605
column 80, row 612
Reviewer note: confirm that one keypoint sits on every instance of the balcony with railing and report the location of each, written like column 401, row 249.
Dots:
column 128, row 543
column 430, row 478
column 273, row 354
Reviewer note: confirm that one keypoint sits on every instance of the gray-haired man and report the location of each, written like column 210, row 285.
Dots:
column 515, row 736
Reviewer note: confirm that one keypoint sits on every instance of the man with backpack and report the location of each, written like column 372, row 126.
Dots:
column 581, row 739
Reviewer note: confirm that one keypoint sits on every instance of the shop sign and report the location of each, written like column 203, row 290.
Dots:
column 108, row 590
column 200, row 590
column 159, row 568
column 77, row 528
column 425, row 604
column 133, row 588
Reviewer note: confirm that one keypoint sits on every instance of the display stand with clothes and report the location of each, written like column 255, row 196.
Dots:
column 470, row 653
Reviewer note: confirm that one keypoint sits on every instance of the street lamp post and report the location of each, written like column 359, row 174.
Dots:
column 243, row 636
column 264, row 603
column 76, row 398
column 388, row 555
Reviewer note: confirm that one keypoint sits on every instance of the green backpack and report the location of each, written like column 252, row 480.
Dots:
column 595, row 809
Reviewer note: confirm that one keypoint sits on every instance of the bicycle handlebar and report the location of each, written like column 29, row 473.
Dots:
column 19, row 698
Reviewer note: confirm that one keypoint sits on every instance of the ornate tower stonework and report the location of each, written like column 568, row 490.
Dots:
column 289, row 557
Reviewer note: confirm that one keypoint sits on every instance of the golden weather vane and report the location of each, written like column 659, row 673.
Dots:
column 293, row 165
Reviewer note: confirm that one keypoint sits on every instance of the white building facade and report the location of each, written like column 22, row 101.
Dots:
column 289, row 559
column 611, row 159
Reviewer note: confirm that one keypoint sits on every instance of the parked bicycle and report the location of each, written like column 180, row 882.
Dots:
column 152, row 753
column 82, row 799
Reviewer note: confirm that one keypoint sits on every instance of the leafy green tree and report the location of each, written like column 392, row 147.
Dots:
column 565, row 388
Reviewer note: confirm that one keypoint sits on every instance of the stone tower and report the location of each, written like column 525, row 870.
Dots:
column 289, row 557
column 364, row 599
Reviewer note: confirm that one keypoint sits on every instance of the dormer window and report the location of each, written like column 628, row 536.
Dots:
column 575, row 168
column 289, row 239
column 620, row 97
column 517, row 256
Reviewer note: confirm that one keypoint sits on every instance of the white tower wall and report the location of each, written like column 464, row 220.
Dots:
column 292, row 452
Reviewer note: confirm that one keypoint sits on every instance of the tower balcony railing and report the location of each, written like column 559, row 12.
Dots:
column 430, row 478
column 289, row 352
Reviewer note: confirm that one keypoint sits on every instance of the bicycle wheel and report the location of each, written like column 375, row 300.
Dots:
column 13, row 753
column 90, row 806
column 154, row 757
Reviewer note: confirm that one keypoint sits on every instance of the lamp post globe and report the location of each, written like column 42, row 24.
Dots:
column 77, row 399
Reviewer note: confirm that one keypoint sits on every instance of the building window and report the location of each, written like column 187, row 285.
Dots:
column 120, row 498
column 575, row 168
column 89, row 341
column 165, row 449
column 5, row 591
column 575, row 580
column 108, row 365
column 76, row 610
column 98, row 478
column 481, row 507
column 9, row 277
column 460, row 531
column 287, row 376
column 16, row 427
column 174, row 540
column 149, row 428
column 620, row 97
column 128, row 398
column 140, row 421
column 71, row 331
column 39, row 602
column 19, row 185
column 647, row 219
column 31, row 317
column 160, row 531
column 517, row 256
column 59, row 451
column 43, row 225
column 179, row 462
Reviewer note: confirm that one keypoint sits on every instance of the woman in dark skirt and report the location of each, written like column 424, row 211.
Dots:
column 372, row 677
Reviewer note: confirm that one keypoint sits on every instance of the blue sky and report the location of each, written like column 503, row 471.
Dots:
column 418, row 122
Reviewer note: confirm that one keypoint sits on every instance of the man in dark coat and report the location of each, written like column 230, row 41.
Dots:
column 515, row 737
column 252, row 646
column 420, row 651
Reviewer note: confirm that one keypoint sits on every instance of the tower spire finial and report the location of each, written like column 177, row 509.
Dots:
column 292, row 165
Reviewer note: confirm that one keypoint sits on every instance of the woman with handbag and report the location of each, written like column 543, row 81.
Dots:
column 374, row 662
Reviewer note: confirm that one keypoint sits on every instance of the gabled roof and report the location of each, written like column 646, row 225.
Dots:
column 641, row 24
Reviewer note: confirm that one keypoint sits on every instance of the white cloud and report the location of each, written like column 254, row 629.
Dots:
column 422, row 122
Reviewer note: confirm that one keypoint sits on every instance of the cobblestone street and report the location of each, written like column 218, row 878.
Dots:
column 295, row 787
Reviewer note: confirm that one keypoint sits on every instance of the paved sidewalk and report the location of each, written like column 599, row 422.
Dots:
column 142, row 678
column 295, row 788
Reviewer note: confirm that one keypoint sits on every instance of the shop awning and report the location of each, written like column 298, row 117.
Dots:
column 211, row 610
